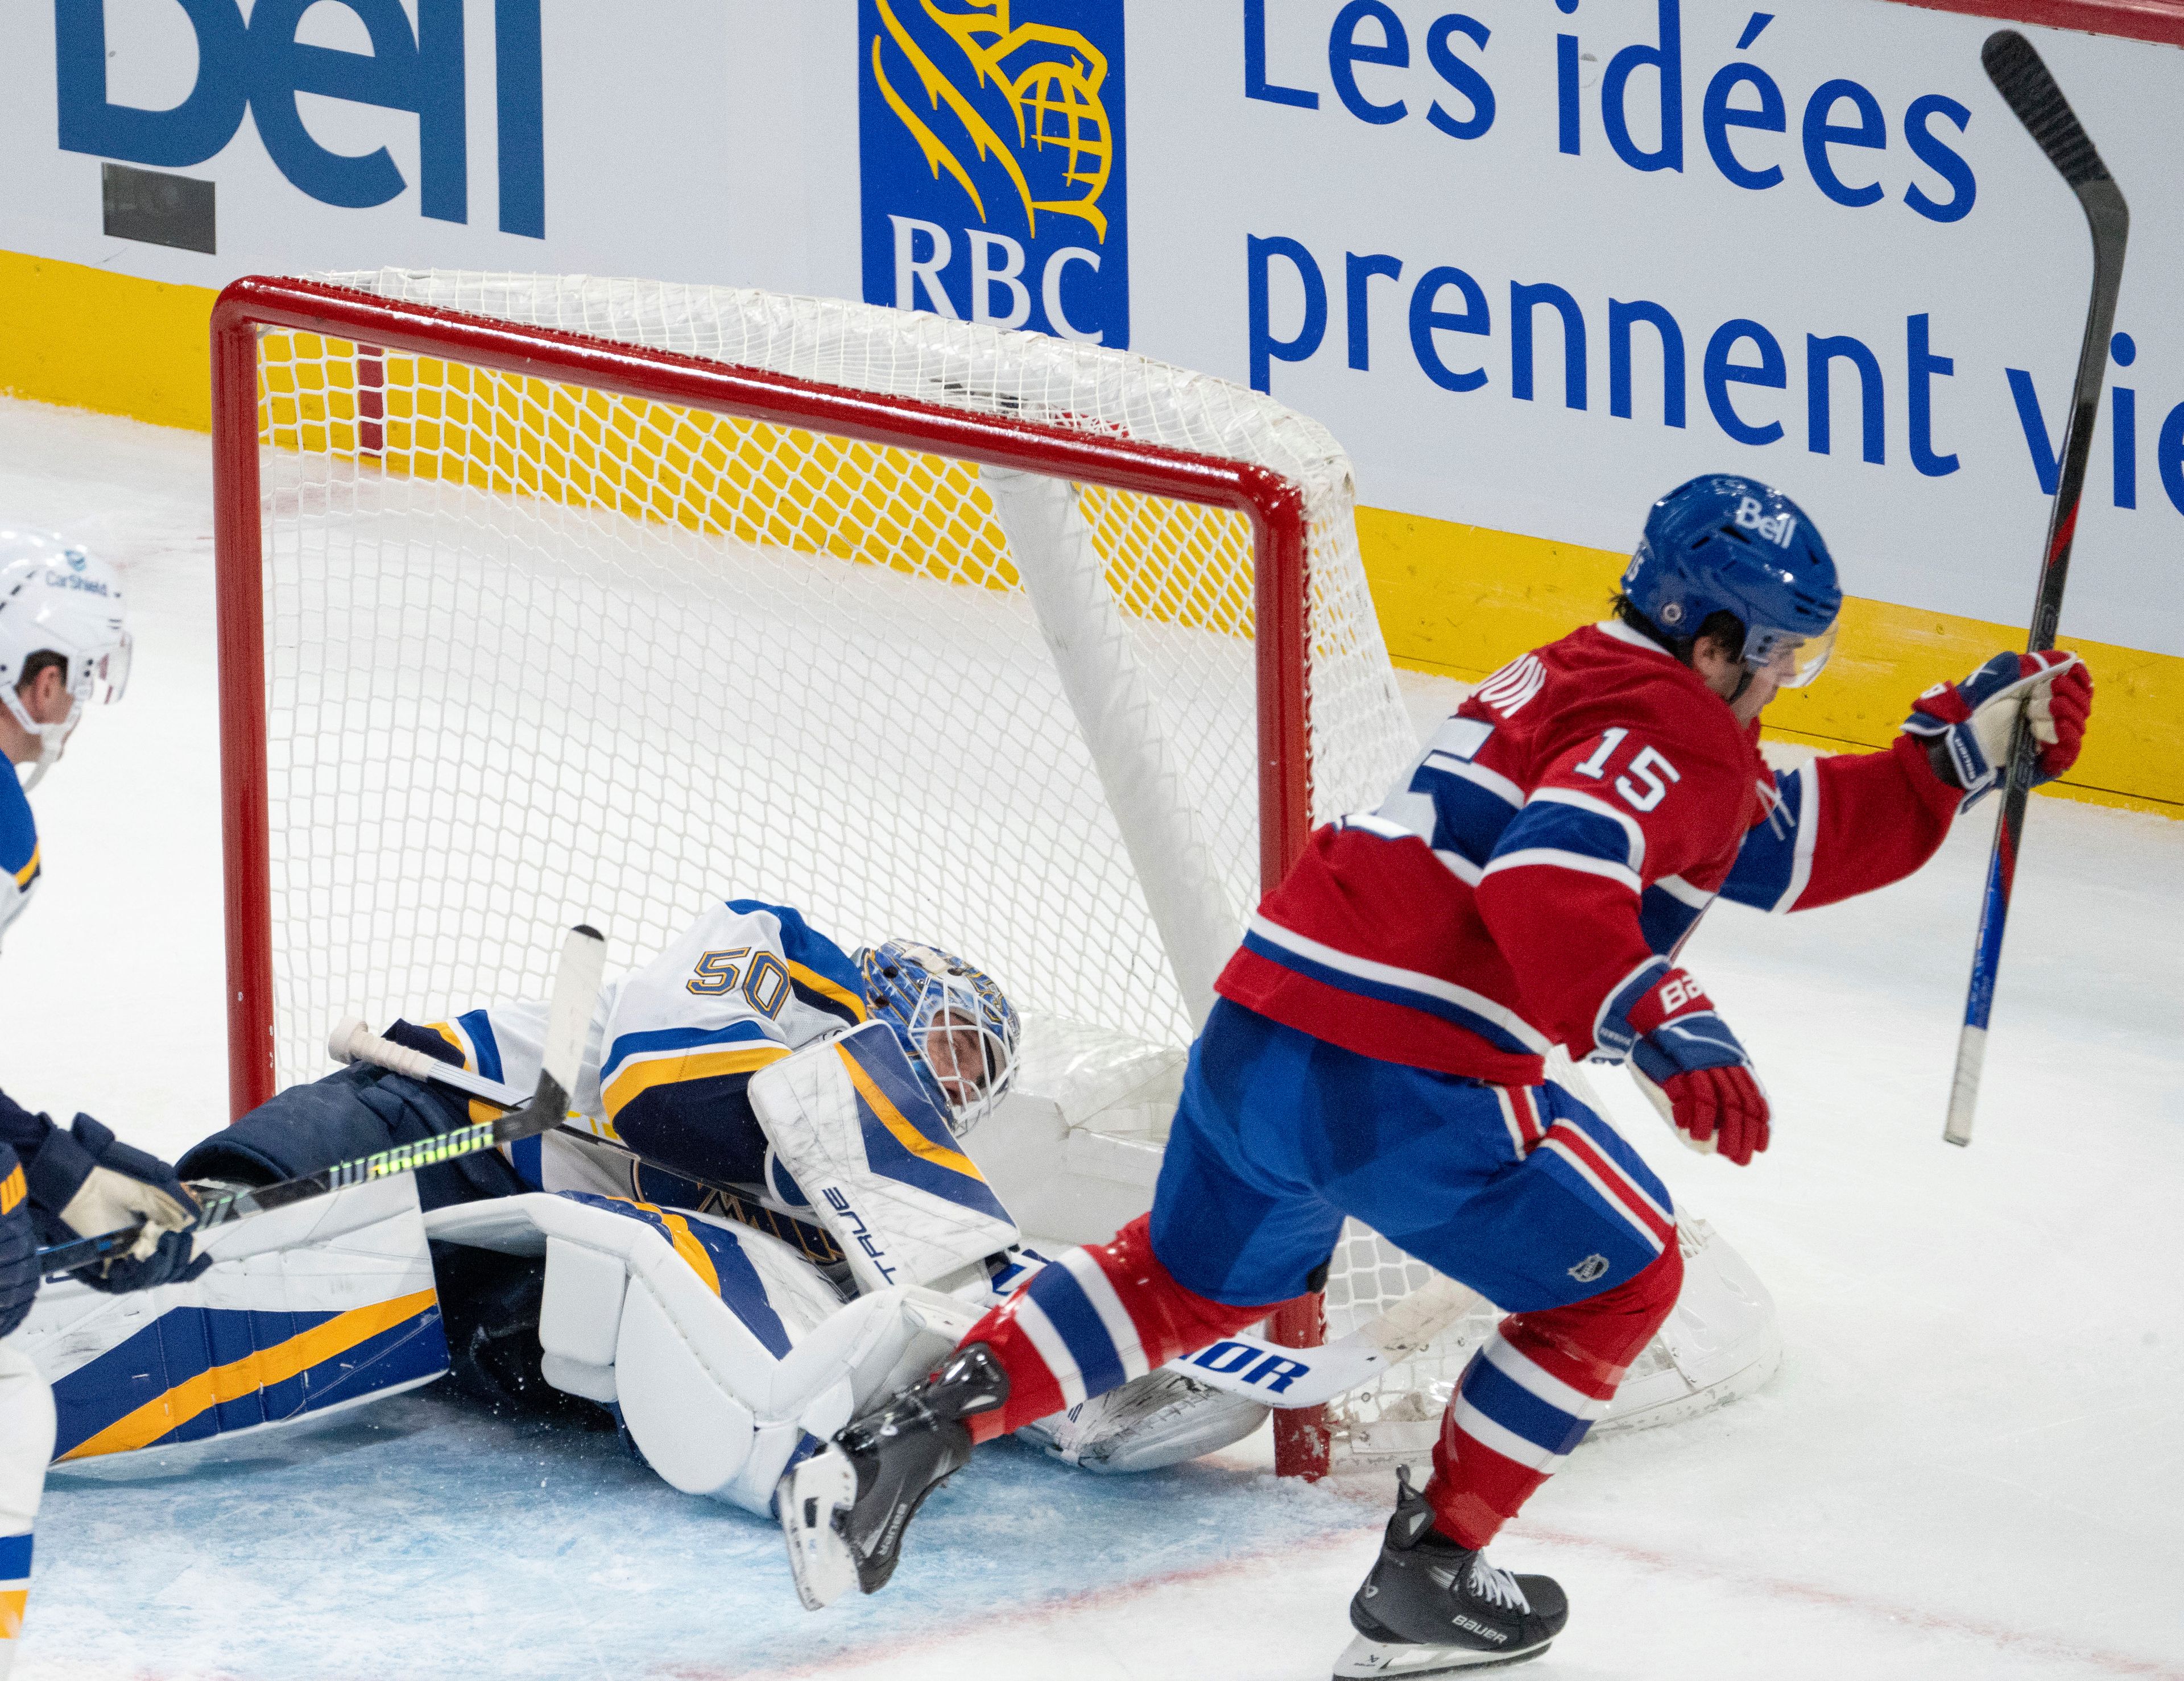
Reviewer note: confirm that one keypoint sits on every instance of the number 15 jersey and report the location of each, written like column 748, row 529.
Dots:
column 1568, row 827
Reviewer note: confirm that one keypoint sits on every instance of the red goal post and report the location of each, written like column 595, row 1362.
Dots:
column 380, row 326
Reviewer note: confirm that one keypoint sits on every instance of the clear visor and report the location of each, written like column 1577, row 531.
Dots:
column 967, row 1057
column 1792, row 658
column 109, row 673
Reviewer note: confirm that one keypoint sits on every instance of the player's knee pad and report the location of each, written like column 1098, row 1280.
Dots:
column 1604, row 1332
column 312, row 1307
column 722, row 1350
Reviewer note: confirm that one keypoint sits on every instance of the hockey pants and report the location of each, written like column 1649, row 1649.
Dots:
column 1523, row 1193
column 26, row 1444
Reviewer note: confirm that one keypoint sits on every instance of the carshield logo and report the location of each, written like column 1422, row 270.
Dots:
column 990, row 133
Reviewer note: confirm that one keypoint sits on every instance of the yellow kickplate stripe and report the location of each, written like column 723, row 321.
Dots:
column 12, row 1190
column 906, row 1134
column 1461, row 600
column 253, row 1373
column 11, row 1613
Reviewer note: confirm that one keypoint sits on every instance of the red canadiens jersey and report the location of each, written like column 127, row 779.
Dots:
column 1564, row 830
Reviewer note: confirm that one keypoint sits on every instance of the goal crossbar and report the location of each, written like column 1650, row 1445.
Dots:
column 1272, row 505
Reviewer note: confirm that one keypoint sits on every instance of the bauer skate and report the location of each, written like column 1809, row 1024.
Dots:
column 844, row 1510
column 1431, row 1607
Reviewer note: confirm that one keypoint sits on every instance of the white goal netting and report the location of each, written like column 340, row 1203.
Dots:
column 538, row 654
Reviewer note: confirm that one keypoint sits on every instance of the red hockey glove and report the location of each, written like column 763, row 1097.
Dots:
column 1686, row 1060
column 1968, row 725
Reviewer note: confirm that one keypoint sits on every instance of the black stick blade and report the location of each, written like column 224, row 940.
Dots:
column 2023, row 81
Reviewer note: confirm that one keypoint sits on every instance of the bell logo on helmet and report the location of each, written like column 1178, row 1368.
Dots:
column 1778, row 530
column 77, row 560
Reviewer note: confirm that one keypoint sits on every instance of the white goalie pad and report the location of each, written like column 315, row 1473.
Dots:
column 725, row 1350
column 851, row 1123
column 305, row 1311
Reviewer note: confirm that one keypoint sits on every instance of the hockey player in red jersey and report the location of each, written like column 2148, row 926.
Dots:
column 1377, row 1050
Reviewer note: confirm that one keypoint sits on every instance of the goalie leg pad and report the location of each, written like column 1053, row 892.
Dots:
column 309, row 1308
column 725, row 1350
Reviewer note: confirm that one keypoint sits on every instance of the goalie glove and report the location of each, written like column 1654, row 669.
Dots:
column 1687, row 1062
column 1967, row 726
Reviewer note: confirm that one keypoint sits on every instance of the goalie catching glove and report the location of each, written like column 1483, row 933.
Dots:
column 1968, row 725
column 1687, row 1062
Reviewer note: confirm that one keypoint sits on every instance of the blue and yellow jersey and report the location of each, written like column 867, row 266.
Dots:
column 673, row 1049
column 19, row 849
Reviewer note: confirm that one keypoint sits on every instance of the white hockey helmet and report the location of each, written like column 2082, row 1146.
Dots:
column 58, row 598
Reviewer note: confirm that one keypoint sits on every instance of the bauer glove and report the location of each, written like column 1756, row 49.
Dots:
column 1967, row 726
column 1688, row 1063
column 117, row 1186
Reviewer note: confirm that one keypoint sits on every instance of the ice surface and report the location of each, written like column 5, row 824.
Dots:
column 1968, row 1465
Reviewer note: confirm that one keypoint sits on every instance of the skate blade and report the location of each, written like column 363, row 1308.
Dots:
column 808, row 1500
column 1367, row 1660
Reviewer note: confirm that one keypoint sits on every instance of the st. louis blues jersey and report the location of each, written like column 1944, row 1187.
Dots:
column 1566, row 827
column 20, row 861
column 670, row 1053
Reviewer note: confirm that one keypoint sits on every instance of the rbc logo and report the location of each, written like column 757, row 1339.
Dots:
column 990, row 140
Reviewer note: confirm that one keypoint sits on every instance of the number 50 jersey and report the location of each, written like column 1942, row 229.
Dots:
column 673, row 1049
column 1567, row 827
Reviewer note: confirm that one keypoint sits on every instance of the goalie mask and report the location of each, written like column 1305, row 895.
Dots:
column 55, row 598
column 959, row 1029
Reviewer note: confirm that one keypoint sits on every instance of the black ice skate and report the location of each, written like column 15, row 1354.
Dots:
column 844, row 1510
column 1431, row 1607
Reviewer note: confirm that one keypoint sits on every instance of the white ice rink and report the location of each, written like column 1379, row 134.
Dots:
column 1968, row 1465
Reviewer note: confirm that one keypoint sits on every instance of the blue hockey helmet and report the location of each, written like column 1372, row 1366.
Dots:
column 1723, row 544
column 959, row 1028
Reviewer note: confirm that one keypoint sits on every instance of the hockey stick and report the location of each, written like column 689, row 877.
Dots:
column 576, row 988
column 2030, row 91
column 1278, row 1376
column 351, row 1041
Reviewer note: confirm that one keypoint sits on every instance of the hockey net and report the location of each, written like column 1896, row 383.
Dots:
column 546, row 599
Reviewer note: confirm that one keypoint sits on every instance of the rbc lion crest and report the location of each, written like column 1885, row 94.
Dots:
column 991, row 137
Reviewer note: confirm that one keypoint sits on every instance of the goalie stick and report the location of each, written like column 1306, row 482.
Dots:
column 576, row 988
column 351, row 1041
column 2023, row 82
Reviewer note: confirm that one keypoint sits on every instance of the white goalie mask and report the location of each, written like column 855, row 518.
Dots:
column 957, row 1025
column 56, row 598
